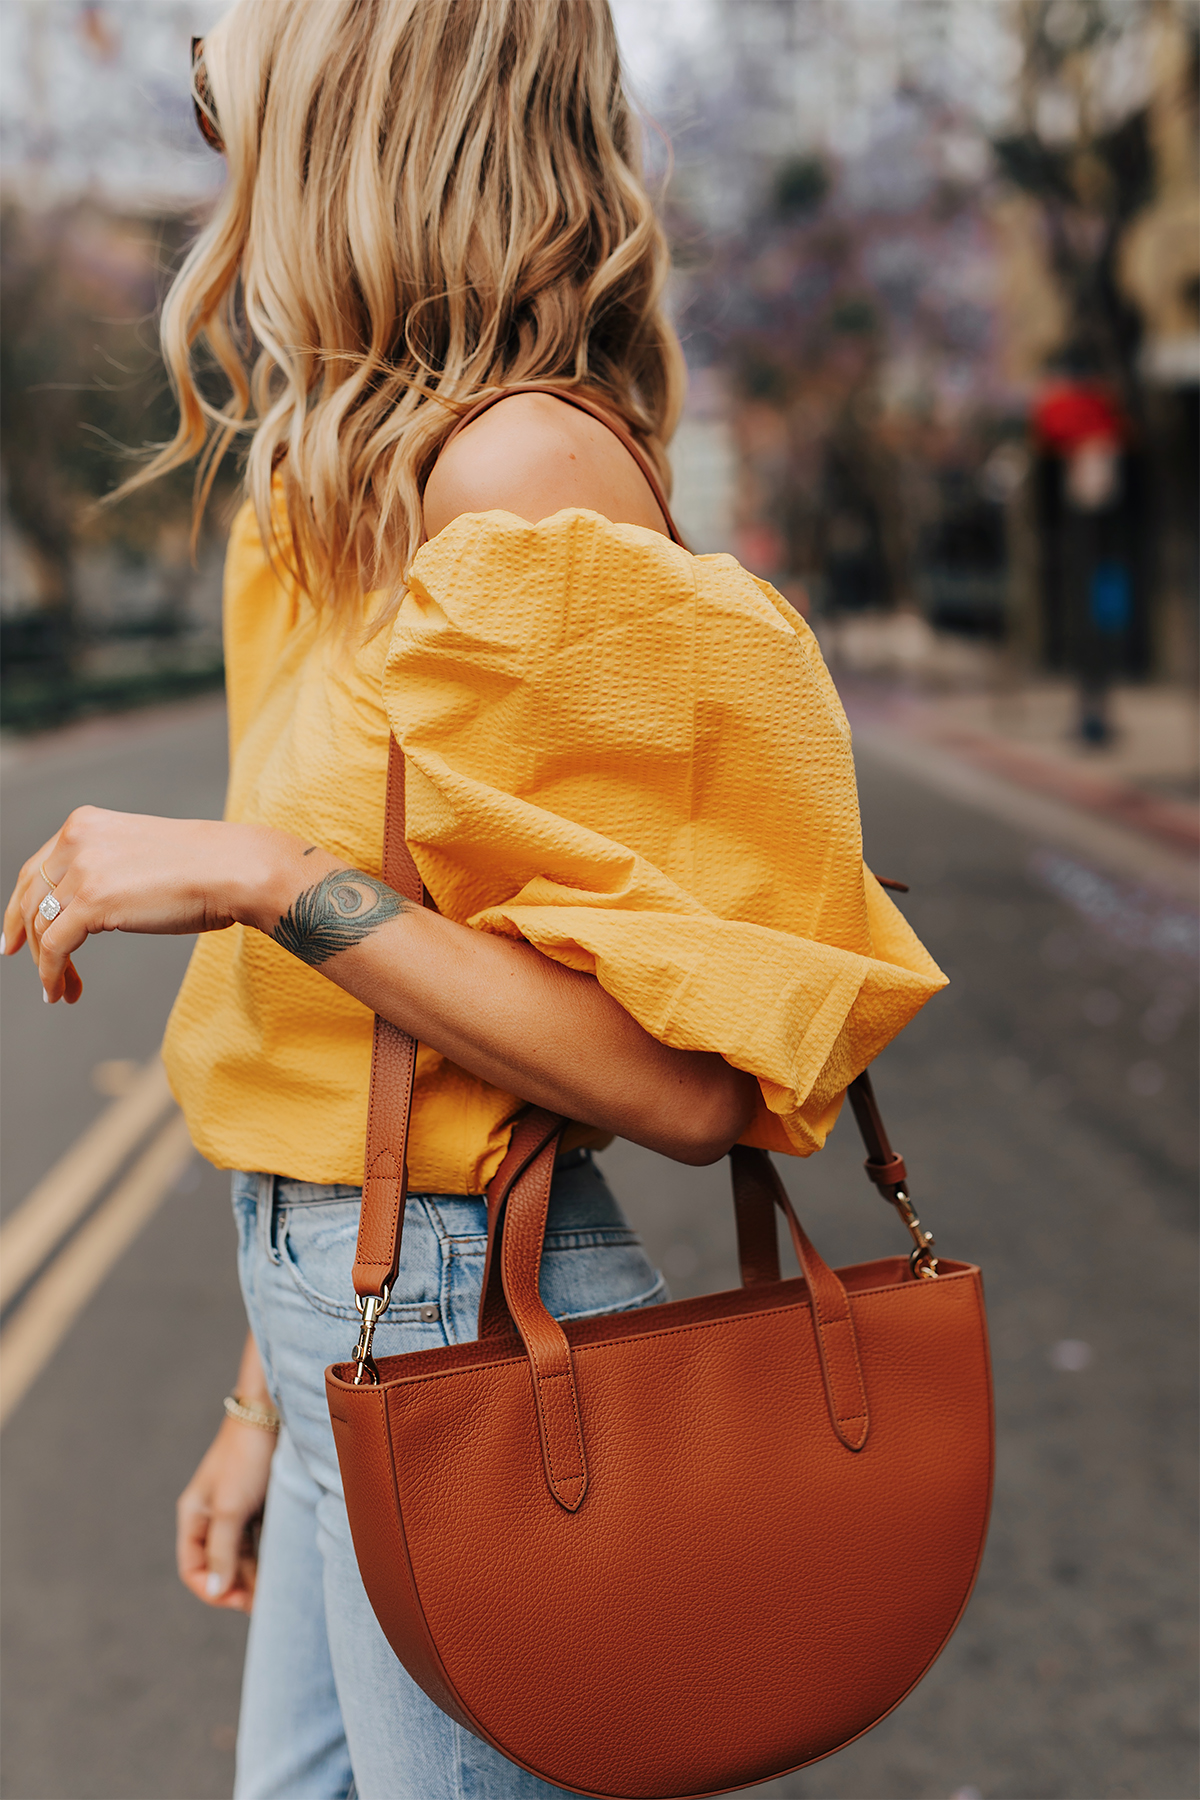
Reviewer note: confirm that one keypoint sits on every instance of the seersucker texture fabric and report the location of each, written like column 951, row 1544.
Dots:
column 630, row 756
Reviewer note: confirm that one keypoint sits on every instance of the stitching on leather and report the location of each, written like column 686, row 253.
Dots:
column 555, row 1477
column 842, row 1319
column 646, row 1337
column 388, row 1232
column 381, row 1072
column 640, row 1337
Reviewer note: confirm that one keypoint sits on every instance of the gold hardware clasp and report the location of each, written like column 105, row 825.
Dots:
column 921, row 1260
column 371, row 1309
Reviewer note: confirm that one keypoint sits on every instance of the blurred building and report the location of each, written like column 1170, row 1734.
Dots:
column 917, row 241
column 1100, row 218
column 102, row 173
column 904, row 231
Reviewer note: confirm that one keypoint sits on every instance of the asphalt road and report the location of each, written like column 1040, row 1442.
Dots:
column 1046, row 1107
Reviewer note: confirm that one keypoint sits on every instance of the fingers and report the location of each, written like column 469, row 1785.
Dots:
column 217, row 1517
column 54, row 942
column 210, row 1555
column 224, row 1548
column 191, row 1538
column 26, row 896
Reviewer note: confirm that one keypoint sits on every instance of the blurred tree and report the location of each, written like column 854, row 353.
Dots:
column 1105, row 245
column 801, row 185
column 83, row 392
column 1088, row 177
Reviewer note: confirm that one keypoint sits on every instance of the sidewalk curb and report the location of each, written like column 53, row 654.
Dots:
column 1046, row 817
column 1171, row 822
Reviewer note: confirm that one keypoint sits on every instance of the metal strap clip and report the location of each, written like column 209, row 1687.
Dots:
column 371, row 1308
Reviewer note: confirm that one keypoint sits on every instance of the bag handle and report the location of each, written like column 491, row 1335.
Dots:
column 521, row 1229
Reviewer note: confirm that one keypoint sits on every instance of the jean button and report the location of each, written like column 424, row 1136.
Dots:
column 429, row 1310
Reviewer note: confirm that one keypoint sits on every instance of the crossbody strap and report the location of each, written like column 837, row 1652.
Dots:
column 573, row 397
column 393, row 1066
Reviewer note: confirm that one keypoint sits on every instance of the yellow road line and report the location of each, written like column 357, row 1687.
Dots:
column 54, row 1302
column 30, row 1233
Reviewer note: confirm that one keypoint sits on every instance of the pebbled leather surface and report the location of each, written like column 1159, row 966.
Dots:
column 730, row 1563
column 757, row 1189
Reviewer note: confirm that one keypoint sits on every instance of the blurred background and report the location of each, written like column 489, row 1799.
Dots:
column 938, row 280
column 937, row 274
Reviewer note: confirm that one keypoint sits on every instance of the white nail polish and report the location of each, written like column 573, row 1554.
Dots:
column 45, row 997
column 3, row 943
column 212, row 1584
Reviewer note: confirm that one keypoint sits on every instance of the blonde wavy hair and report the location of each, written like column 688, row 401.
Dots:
column 427, row 200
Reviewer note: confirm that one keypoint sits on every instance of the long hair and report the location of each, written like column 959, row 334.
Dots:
column 426, row 200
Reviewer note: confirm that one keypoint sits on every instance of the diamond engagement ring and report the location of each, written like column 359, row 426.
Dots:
column 49, row 908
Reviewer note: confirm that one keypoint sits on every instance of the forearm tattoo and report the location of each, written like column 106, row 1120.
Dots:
column 336, row 914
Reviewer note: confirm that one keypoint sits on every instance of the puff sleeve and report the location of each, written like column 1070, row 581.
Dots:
column 635, row 759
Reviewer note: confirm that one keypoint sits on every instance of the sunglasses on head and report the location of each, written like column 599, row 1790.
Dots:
column 203, row 104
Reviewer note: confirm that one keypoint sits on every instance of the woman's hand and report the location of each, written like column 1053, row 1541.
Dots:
column 112, row 871
column 217, row 1517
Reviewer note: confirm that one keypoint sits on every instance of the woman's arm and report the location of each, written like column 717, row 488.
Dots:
column 506, row 1012
column 493, row 1005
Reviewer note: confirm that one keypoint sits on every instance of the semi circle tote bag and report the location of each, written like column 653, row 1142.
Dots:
column 675, row 1551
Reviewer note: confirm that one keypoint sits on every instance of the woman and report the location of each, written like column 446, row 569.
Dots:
column 629, row 783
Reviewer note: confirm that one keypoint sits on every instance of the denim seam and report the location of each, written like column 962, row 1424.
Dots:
column 266, row 1206
column 430, row 1206
column 459, row 1760
column 405, row 1312
column 603, row 1238
column 330, row 1196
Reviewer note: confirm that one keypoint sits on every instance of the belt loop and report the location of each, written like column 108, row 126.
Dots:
column 266, row 1216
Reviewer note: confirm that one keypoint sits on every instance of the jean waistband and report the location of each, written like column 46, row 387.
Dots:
column 282, row 1190
column 580, row 1200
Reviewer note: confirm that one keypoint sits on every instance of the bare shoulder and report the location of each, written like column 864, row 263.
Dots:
column 533, row 455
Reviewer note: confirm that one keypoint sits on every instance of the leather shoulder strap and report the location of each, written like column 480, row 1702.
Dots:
column 393, row 1066
column 883, row 1166
column 573, row 398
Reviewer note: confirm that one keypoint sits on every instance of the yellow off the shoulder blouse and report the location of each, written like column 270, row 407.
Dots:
column 630, row 756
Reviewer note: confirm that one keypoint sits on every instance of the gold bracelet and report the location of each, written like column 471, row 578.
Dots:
column 265, row 1417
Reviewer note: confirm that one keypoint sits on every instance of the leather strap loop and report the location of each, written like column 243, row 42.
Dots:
column 887, row 1176
column 883, row 1166
column 757, row 1186
column 552, row 1371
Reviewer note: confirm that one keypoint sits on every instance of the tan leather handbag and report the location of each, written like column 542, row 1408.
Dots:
column 673, row 1551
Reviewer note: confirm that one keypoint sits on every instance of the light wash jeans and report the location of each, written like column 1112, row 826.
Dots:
column 327, row 1711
